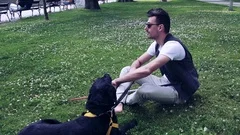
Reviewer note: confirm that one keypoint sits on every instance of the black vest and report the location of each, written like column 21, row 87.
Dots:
column 181, row 73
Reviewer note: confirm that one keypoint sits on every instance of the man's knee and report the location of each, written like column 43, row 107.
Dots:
column 125, row 70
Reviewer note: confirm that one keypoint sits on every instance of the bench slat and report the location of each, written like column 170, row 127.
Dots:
column 4, row 10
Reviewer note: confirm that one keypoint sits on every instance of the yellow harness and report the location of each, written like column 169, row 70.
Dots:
column 111, row 124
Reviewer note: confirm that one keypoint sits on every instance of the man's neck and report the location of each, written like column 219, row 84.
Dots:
column 161, row 39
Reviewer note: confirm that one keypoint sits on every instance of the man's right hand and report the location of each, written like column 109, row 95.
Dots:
column 114, row 83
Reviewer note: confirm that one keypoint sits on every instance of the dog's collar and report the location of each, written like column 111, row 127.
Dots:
column 89, row 114
column 111, row 123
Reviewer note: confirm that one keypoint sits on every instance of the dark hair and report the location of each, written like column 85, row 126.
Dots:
column 162, row 17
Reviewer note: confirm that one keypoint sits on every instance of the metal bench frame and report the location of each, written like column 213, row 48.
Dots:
column 35, row 6
column 69, row 4
column 53, row 3
column 4, row 10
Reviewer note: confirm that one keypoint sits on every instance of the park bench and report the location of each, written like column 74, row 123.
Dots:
column 53, row 3
column 103, row 1
column 35, row 6
column 66, row 3
column 4, row 10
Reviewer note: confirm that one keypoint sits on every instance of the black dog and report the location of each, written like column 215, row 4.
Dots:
column 99, row 120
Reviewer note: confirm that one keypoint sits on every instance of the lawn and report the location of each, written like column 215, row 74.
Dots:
column 45, row 63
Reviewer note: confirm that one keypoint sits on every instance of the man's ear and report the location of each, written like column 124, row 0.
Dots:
column 161, row 27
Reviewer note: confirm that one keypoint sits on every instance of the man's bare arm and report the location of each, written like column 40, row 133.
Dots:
column 140, row 61
column 144, row 70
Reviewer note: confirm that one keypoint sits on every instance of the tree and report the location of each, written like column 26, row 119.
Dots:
column 45, row 10
column 231, row 5
column 92, row 4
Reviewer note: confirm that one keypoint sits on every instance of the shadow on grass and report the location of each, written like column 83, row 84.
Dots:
column 149, row 109
column 153, row 116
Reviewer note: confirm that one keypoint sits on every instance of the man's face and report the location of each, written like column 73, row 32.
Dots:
column 152, row 28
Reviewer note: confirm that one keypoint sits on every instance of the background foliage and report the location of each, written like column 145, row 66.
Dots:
column 44, row 63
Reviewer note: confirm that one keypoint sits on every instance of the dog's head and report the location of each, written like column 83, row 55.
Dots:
column 102, row 95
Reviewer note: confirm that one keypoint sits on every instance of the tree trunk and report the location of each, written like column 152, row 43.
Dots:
column 45, row 10
column 92, row 4
column 231, row 5
column 164, row 0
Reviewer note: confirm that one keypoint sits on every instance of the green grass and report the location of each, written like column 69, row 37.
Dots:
column 44, row 63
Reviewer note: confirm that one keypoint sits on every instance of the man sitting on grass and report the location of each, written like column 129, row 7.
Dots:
column 179, row 79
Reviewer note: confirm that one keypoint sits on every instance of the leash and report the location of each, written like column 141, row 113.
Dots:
column 127, row 90
column 122, row 96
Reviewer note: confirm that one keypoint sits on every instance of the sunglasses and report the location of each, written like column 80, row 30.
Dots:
column 149, row 25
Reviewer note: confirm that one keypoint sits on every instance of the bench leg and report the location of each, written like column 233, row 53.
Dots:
column 8, row 17
column 66, row 7
column 38, row 12
column 20, row 14
column 50, row 10
column 12, row 15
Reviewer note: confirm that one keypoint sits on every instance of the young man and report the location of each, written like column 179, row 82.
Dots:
column 179, row 79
